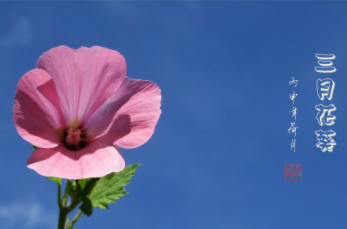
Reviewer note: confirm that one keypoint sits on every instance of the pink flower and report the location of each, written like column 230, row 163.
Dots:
column 78, row 107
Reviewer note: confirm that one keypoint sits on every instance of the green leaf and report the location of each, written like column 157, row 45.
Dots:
column 83, row 182
column 109, row 188
column 82, row 188
column 35, row 147
column 55, row 179
column 88, row 187
column 86, row 207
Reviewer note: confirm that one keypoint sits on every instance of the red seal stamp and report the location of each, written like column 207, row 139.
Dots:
column 293, row 172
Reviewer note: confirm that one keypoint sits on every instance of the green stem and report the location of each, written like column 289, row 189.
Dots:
column 62, row 214
column 74, row 220
column 62, row 218
column 59, row 196
column 65, row 210
column 72, row 206
column 66, row 194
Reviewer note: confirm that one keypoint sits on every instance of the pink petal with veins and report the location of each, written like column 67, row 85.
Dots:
column 85, row 78
column 37, row 114
column 129, row 117
column 95, row 160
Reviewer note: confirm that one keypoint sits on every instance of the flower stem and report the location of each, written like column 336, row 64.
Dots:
column 59, row 196
column 66, row 193
column 62, row 218
column 74, row 220
column 64, row 210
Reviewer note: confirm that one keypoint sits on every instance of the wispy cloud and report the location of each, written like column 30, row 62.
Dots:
column 25, row 215
column 21, row 33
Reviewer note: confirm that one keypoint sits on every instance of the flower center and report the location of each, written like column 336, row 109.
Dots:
column 73, row 139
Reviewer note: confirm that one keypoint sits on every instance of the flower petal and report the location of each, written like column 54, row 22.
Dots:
column 37, row 114
column 85, row 78
column 129, row 117
column 95, row 160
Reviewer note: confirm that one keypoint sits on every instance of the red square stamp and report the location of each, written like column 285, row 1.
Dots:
column 293, row 172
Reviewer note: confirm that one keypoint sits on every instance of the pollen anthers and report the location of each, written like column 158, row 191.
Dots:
column 74, row 138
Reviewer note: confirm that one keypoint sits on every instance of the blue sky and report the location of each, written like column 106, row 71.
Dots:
column 217, row 156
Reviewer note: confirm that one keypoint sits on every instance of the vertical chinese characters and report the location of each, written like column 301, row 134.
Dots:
column 325, row 90
column 293, row 171
column 292, row 129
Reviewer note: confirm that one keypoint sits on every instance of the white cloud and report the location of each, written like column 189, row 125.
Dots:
column 20, row 34
column 25, row 215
